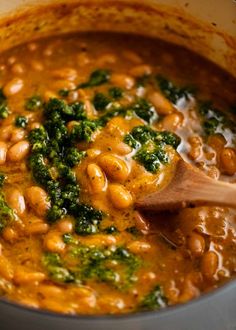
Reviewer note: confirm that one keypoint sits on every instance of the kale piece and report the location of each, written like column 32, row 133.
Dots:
column 115, row 93
column 6, row 213
column 21, row 121
column 101, row 101
column 97, row 78
column 172, row 92
column 34, row 103
column 87, row 219
column 154, row 300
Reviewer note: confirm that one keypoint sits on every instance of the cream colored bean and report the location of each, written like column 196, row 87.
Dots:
column 172, row 121
column 13, row 87
column 122, row 80
column 99, row 240
column 3, row 152
column 209, row 264
column 63, row 84
column 132, row 56
column 65, row 73
column 83, row 59
column 9, row 234
column 196, row 244
column 38, row 200
column 5, row 132
column 114, row 167
column 33, row 126
column 15, row 200
column 217, row 142
column 49, row 95
column 18, row 151
column 6, row 268
column 50, row 291
column 139, row 247
column 141, row 70
column 196, row 147
column 122, row 149
column 53, row 242
column 37, row 66
column 17, row 134
column 228, row 161
column 65, row 226
column 37, row 228
column 93, row 153
column 97, row 178
column 106, row 59
column 18, row 68
column 120, row 197
column 163, row 105
column 23, row 276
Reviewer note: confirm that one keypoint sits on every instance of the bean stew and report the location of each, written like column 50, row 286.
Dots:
column 88, row 123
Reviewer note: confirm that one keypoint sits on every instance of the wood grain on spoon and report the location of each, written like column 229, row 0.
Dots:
column 189, row 186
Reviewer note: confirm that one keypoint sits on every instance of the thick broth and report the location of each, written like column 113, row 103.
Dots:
column 91, row 252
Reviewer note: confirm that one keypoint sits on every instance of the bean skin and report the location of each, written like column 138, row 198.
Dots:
column 196, row 244
column 6, row 268
column 120, row 197
column 3, row 152
column 209, row 264
column 96, row 177
column 162, row 105
column 228, row 161
column 114, row 167
column 38, row 200
column 53, row 242
column 18, row 151
column 15, row 199
column 13, row 87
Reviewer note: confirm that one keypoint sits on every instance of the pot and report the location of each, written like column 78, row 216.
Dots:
column 206, row 28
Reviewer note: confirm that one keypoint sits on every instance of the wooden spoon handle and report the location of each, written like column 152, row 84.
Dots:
column 189, row 186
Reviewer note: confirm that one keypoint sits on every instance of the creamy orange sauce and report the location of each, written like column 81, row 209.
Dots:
column 186, row 254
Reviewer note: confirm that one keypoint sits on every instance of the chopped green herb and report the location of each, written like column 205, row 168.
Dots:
column 6, row 213
column 64, row 92
column 111, row 230
column 144, row 110
column 116, row 93
column 2, row 179
column 154, row 300
column 151, row 146
column 101, row 101
column 172, row 92
column 21, row 121
column 53, row 264
column 34, row 103
column 4, row 111
column 97, row 78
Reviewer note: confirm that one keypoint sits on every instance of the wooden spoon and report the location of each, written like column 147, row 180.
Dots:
column 189, row 187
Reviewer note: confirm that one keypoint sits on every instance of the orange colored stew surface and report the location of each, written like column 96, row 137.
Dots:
column 88, row 124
